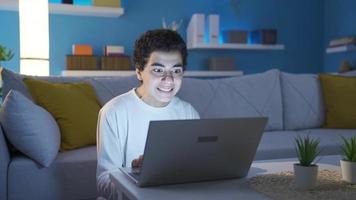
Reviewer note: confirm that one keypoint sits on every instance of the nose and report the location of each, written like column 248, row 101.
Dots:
column 168, row 77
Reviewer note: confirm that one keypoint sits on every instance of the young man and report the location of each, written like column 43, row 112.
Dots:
column 160, row 58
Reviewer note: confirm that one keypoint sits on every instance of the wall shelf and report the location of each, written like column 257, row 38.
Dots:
column 238, row 46
column 344, row 48
column 130, row 73
column 67, row 9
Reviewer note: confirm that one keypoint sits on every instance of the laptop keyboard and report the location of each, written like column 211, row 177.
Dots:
column 135, row 172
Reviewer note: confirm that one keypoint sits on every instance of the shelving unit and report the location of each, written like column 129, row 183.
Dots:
column 344, row 48
column 130, row 73
column 237, row 46
column 67, row 9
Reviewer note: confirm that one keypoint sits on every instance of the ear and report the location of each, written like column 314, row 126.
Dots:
column 138, row 74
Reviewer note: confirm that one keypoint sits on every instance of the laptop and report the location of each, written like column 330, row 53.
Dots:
column 182, row 151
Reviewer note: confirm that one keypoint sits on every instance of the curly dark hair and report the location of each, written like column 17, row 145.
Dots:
column 158, row 40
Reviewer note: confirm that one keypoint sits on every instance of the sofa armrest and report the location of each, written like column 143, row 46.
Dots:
column 4, row 163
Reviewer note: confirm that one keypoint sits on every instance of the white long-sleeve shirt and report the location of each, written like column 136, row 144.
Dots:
column 122, row 131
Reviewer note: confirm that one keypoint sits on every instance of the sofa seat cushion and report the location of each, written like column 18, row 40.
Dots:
column 246, row 96
column 72, row 175
column 280, row 144
column 330, row 139
column 276, row 144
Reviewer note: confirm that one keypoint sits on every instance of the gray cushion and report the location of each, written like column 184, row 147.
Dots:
column 247, row 96
column 303, row 105
column 30, row 128
column 71, row 176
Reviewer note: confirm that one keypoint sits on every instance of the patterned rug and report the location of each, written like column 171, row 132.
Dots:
column 282, row 187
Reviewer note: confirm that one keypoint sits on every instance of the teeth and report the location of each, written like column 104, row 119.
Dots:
column 166, row 89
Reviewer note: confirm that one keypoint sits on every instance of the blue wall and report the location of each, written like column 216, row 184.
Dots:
column 9, row 37
column 299, row 24
column 340, row 17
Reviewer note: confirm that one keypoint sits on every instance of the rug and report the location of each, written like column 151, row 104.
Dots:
column 281, row 186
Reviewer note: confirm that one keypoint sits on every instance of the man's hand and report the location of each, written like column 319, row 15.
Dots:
column 137, row 163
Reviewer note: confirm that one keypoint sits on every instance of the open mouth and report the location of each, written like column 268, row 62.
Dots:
column 165, row 89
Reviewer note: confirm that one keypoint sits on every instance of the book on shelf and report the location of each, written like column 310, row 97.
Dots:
column 342, row 41
column 82, row 50
column 343, row 48
column 107, row 3
column 113, row 50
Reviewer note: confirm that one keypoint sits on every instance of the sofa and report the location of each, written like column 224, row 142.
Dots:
column 293, row 104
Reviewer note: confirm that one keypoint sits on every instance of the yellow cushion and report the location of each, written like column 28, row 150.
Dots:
column 74, row 106
column 340, row 101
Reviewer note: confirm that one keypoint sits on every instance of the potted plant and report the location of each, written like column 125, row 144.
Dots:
column 348, row 163
column 306, row 171
column 5, row 55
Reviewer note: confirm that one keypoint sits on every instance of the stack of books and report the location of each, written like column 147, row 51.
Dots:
column 343, row 41
column 82, row 58
column 107, row 3
column 342, row 44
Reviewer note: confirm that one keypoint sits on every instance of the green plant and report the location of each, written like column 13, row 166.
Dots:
column 348, row 147
column 307, row 150
column 5, row 55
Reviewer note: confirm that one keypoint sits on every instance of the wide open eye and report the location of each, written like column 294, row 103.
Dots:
column 158, row 71
column 177, row 71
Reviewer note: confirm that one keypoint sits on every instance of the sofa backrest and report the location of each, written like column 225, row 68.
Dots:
column 303, row 105
column 247, row 96
column 105, row 87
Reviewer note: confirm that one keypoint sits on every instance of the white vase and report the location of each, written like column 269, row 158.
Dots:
column 348, row 171
column 305, row 177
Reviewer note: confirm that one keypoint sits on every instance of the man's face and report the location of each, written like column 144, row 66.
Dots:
column 161, row 77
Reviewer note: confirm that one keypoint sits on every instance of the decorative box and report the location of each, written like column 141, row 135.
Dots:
column 75, row 62
column 67, row 1
column 264, row 36
column 226, row 63
column 115, row 63
column 235, row 36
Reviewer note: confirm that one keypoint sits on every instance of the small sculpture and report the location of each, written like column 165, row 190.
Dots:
column 345, row 67
column 173, row 26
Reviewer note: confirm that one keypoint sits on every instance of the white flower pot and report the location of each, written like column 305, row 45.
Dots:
column 348, row 171
column 305, row 177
